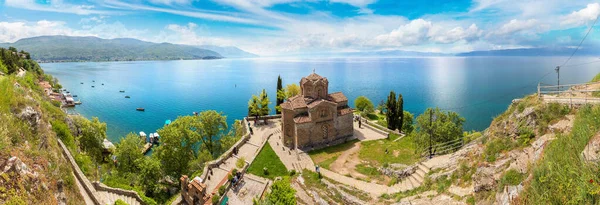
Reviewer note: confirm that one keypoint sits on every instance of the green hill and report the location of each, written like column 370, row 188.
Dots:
column 68, row 48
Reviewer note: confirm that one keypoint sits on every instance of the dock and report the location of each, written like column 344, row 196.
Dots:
column 149, row 141
column 147, row 148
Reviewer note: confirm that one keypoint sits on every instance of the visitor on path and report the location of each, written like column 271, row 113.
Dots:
column 251, row 132
column 359, row 122
column 318, row 171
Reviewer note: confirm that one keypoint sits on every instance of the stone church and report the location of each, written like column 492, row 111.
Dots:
column 315, row 118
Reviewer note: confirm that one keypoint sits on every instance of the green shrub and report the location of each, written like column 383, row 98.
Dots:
column 215, row 199
column 526, row 135
column 63, row 132
column 120, row 202
column 471, row 200
column 222, row 190
column 510, row 178
column 292, row 172
column 562, row 177
column 240, row 163
column 496, row 146
column 393, row 181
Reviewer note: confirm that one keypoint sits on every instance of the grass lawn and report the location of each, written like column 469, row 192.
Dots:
column 324, row 157
column 401, row 151
column 267, row 158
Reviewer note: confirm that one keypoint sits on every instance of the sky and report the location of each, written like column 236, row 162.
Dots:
column 297, row 27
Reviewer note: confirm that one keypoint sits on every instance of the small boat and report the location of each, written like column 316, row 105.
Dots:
column 74, row 96
column 102, row 83
column 82, row 83
column 140, row 109
column 92, row 86
column 127, row 96
column 121, row 91
column 93, row 81
column 78, row 102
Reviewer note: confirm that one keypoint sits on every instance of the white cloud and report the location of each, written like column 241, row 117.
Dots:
column 459, row 33
column 583, row 16
column 187, row 34
column 516, row 26
column 415, row 32
column 55, row 6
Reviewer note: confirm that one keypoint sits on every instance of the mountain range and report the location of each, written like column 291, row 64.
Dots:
column 71, row 48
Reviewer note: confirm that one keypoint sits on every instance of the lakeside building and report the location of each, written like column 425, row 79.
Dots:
column 314, row 118
column 194, row 191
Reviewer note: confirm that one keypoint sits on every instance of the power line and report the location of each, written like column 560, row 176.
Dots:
column 586, row 34
column 580, row 64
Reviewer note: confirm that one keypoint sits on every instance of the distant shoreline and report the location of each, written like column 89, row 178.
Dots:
column 131, row 60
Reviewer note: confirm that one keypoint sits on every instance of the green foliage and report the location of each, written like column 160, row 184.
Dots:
column 222, row 190
column 496, row 146
column 393, row 181
column 526, row 136
column 464, row 173
column 240, row 163
column 120, row 202
column 470, row 200
column 211, row 125
column 471, row 135
column 446, row 127
column 11, row 62
column 128, row 151
column 392, row 111
column 400, row 112
column 408, row 124
column 367, row 170
column 215, row 199
column 85, row 164
column 62, row 131
column 269, row 159
column 92, row 135
column 264, row 103
column 364, row 105
column 68, row 48
column 280, row 98
column 292, row 90
column 178, row 141
column 596, row 78
column 510, row 178
column 281, row 193
column 549, row 113
column 562, row 177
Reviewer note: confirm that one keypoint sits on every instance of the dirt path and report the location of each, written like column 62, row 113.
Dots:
column 346, row 163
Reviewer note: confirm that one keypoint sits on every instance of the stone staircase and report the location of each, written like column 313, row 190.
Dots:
column 110, row 198
column 413, row 181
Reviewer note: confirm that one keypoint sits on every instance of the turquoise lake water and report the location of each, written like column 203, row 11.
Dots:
column 478, row 88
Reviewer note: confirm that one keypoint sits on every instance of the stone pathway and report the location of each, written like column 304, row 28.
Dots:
column 247, row 151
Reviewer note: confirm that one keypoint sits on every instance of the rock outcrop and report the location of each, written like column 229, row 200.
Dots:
column 30, row 115
column 591, row 152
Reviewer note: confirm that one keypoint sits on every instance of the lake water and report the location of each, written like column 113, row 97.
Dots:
column 478, row 88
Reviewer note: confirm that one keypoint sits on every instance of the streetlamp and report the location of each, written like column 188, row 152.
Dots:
column 432, row 117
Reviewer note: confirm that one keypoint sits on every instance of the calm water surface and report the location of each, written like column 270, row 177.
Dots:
column 478, row 88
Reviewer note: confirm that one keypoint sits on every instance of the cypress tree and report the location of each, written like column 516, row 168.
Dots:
column 400, row 112
column 279, row 89
column 391, row 111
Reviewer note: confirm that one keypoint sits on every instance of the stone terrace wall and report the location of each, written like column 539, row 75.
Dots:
column 215, row 163
column 123, row 192
column 89, row 189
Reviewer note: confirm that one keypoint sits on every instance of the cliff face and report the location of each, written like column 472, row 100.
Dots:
column 32, row 168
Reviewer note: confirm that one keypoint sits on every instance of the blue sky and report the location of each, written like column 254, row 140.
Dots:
column 288, row 27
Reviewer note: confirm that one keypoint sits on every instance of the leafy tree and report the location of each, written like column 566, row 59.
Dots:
column 211, row 125
column 128, row 151
column 281, row 193
column 92, row 134
column 279, row 97
column 407, row 125
column 3, row 67
column 232, row 137
column 179, row 140
column 400, row 112
column 446, row 126
column 391, row 113
column 363, row 104
column 149, row 174
column 381, row 107
column 12, row 49
column 254, row 107
column 290, row 90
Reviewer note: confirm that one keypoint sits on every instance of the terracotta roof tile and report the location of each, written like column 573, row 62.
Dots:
column 316, row 102
column 297, row 102
column 302, row 119
column 337, row 97
column 344, row 111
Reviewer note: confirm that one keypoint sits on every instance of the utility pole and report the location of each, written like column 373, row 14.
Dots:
column 430, row 133
column 558, row 78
